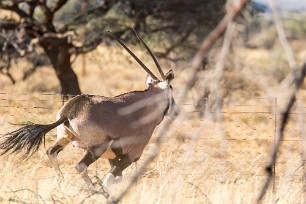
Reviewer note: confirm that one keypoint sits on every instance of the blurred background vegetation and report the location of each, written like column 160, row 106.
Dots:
column 65, row 28
column 58, row 33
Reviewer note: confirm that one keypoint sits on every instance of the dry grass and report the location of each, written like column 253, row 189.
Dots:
column 195, row 164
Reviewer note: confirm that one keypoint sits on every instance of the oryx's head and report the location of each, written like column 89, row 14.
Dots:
column 164, row 93
column 163, row 86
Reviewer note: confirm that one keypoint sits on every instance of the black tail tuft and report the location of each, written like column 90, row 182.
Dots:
column 27, row 138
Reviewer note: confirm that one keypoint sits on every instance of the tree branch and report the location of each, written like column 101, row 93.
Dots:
column 59, row 5
column 94, row 43
column 28, row 22
column 284, row 117
column 9, row 75
column 54, row 38
column 102, row 9
column 5, row 69
column 177, row 44
column 8, row 25
column 15, row 9
column 298, row 77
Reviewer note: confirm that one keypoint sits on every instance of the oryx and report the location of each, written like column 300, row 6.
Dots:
column 117, row 128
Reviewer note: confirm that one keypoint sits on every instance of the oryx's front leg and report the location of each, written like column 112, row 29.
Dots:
column 115, row 174
column 91, row 156
column 113, row 163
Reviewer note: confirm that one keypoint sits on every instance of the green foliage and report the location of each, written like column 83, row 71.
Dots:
column 295, row 26
column 68, row 11
column 169, row 24
column 7, row 2
column 39, row 15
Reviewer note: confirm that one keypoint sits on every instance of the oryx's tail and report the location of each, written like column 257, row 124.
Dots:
column 27, row 138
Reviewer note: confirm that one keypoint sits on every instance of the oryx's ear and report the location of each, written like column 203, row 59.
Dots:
column 169, row 76
column 149, row 80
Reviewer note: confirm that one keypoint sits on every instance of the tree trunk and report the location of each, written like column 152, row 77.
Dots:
column 60, row 59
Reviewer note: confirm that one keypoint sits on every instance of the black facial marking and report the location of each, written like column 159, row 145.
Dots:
column 166, row 110
column 168, row 105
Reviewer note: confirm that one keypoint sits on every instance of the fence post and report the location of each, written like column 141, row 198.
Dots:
column 275, row 133
column 63, row 99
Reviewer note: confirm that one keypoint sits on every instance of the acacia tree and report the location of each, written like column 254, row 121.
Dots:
column 38, row 25
column 40, row 29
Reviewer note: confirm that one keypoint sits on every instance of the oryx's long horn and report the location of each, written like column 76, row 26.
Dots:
column 134, row 56
column 152, row 55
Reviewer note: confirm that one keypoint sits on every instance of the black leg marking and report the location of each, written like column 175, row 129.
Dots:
column 113, row 163
column 121, row 165
column 88, row 159
column 52, row 153
column 91, row 156
column 117, row 149
column 55, row 150
column 58, row 147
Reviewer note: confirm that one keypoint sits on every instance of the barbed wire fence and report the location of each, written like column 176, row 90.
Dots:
column 251, row 124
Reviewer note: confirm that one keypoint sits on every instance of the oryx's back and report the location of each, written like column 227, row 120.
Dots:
column 103, row 115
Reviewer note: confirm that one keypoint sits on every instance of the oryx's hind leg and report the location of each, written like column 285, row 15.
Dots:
column 116, row 172
column 63, row 138
column 53, row 151
column 92, row 154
